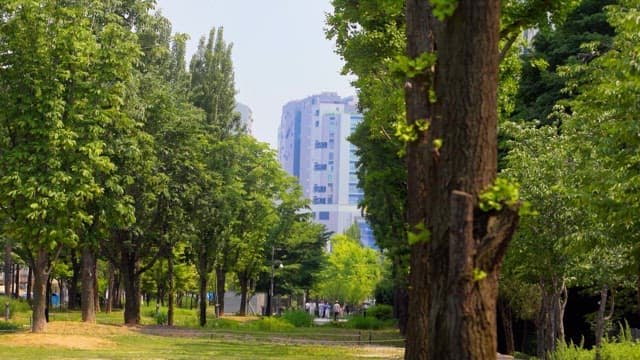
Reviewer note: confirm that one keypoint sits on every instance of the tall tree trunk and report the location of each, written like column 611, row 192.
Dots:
column 456, row 262
column 221, row 275
column 400, row 296
column 243, row 278
column 96, row 290
column 29, row 283
column 507, row 327
column 76, row 268
column 8, row 266
column 131, row 279
column 419, row 40
column 601, row 318
column 117, row 290
column 170, row 289
column 203, row 298
column 41, row 275
column 88, row 277
column 549, row 321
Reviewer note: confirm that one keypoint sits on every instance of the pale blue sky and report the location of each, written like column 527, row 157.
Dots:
column 280, row 52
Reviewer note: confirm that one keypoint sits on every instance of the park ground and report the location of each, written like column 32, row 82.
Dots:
column 76, row 340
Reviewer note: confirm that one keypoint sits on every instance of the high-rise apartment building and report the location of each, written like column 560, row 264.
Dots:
column 313, row 146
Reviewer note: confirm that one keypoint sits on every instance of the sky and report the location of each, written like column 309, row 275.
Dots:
column 280, row 52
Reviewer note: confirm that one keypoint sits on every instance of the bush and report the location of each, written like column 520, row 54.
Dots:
column 298, row 318
column 15, row 306
column 365, row 323
column 6, row 326
column 270, row 323
column 161, row 318
column 381, row 312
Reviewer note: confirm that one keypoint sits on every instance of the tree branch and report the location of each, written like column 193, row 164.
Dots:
column 500, row 227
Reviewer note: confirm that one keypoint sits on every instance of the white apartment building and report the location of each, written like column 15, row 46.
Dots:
column 313, row 146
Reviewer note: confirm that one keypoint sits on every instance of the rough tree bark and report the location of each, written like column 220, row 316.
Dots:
column 88, row 277
column 204, row 268
column 507, row 326
column 221, row 277
column 602, row 319
column 454, row 274
column 41, row 272
column 170, row 288
column 549, row 320
column 243, row 278
column 131, row 280
column 74, row 302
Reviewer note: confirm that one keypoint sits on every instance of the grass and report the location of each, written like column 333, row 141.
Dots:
column 227, row 338
column 73, row 340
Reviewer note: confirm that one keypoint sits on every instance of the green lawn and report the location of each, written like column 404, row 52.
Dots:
column 67, row 338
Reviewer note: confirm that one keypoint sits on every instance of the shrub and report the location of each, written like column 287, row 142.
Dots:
column 270, row 323
column 15, row 306
column 298, row 318
column 365, row 323
column 7, row 326
column 161, row 318
column 381, row 312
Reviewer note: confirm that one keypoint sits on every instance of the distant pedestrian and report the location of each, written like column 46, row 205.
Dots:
column 311, row 309
column 336, row 310
column 365, row 306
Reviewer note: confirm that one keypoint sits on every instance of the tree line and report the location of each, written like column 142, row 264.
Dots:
column 117, row 151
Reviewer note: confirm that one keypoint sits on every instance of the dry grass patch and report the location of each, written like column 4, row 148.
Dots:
column 67, row 334
column 380, row 352
column 56, row 341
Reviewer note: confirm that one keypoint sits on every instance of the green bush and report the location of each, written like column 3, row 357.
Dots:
column 624, row 348
column 15, row 306
column 7, row 326
column 161, row 318
column 381, row 312
column 298, row 318
column 365, row 323
column 270, row 323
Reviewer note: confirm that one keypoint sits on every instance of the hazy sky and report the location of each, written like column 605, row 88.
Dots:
column 280, row 52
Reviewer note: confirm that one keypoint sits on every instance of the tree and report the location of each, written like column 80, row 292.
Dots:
column 457, row 247
column 601, row 130
column 542, row 83
column 351, row 274
column 368, row 34
column 213, row 90
column 542, row 252
column 57, row 105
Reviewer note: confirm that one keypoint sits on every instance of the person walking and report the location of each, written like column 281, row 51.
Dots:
column 336, row 310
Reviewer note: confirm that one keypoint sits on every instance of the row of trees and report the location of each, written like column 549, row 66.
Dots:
column 434, row 78
column 113, row 148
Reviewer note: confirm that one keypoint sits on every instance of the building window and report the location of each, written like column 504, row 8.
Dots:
column 321, row 144
column 319, row 188
column 317, row 123
column 323, row 215
column 319, row 167
column 319, row 200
